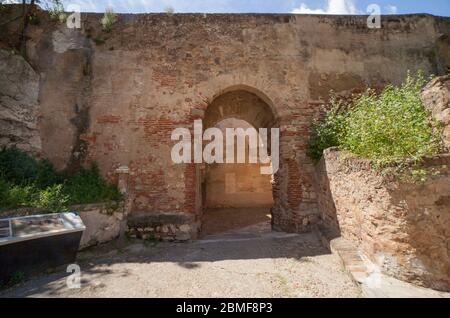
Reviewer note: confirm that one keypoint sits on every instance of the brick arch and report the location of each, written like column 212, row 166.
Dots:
column 241, row 102
column 255, row 108
column 254, row 89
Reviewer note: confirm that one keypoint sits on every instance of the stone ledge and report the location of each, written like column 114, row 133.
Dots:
column 373, row 283
column 158, row 219
column 347, row 252
column 163, row 226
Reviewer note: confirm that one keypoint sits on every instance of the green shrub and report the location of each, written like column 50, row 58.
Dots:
column 16, row 166
column 12, row 196
column 392, row 126
column 19, row 168
column 52, row 199
column 25, row 181
column 87, row 186
column 385, row 128
column 108, row 19
column 46, row 175
column 4, row 187
column 21, row 195
column 329, row 131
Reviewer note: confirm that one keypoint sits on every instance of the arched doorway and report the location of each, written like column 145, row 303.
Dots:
column 237, row 195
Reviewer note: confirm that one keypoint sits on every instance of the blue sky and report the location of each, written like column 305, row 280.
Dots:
column 436, row 7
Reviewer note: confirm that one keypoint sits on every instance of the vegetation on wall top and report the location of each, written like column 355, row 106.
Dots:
column 108, row 19
column 389, row 127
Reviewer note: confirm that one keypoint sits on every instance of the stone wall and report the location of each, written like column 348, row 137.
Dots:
column 103, row 223
column 19, row 106
column 436, row 99
column 403, row 227
column 170, row 227
column 116, row 96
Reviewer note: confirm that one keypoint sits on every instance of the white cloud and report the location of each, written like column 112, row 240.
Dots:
column 332, row 7
column 391, row 9
column 139, row 6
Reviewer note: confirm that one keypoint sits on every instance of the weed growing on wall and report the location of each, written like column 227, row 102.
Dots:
column 56, row 11
column 389, row 127
column 108, row 19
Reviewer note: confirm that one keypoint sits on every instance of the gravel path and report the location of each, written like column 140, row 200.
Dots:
column 239, row 264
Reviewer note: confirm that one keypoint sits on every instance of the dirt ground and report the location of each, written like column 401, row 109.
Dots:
column 250, row 262
column 222, row 220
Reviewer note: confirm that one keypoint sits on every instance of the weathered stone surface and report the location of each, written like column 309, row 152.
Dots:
column 19, row 91
column 436, row 99
column 102, row 224
column 64, row 39
column 121, row 94
column 144, row 220
column 400, row 226
column 163, row 226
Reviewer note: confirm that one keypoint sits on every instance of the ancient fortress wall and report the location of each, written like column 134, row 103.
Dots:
column 116, row 96
column 401, row 224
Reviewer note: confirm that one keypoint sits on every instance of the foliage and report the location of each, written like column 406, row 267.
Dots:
column 108, row 19
column 46, row 175
column 25, row 181
column 87, row 186
column 52, row 199
column 56, row 11
column 386, row 128
column 392, row 126
column 329, row 131
column 14, row 195
column 16, row 166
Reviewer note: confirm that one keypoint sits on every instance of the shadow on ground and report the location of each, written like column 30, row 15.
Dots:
column 132, row 259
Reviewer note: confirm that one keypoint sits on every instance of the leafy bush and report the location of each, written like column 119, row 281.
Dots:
column 108, row 19
column 25, row 181
column 87, row 186
column 16, row 166
column 329, row 131
column 52, row 199
column 46, row 175
column 386, row 128
column 21, row 195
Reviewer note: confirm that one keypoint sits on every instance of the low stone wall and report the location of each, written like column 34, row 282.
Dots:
column 103, row 223
column 401, row 225
column 163, row 226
